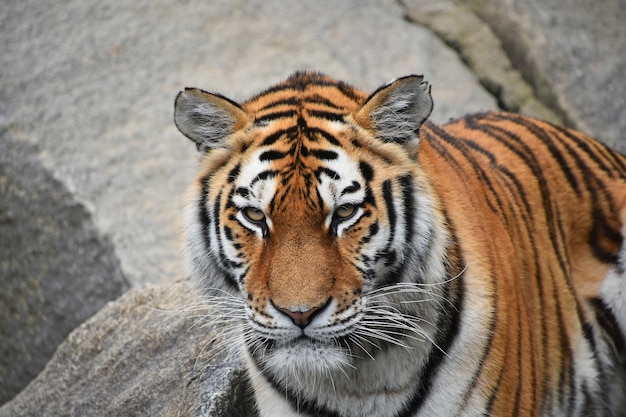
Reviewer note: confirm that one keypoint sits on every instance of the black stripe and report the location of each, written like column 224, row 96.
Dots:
column 298, row 404
column 274, row 116
column 203, row 213
column 290, row 101
column 331, row 173
column 531, row 161
column 602, row 155
column 372, row 231
column 271, row 155
column 324, row 154
column 366, row 171
column 332, row 116
column 595, row 186
column 230, row 280
column 244, row 192
column 317, row 99
column 464, row 146
column 391, row 210
column 607, row 321
column 567, row 369
column 448, row 325
column 271, row 139
column 353, row 188
column 493, row 394
column 234, row 173
column 348, row 91
column 329, row 138
column 406, row 185
column 263, row 176
column 601, row 230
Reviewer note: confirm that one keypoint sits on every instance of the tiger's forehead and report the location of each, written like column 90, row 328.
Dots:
column 298, row 156
column 299, row 166
column 309, row 92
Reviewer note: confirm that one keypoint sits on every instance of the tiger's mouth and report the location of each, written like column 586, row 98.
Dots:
column 328, row 325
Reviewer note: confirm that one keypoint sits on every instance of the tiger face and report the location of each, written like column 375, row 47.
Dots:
column 313, row 214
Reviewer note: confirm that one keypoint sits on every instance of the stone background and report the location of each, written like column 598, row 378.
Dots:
column 93, row 172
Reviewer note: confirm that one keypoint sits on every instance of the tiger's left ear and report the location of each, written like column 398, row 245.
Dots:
column 208, row 119
column 397, row 110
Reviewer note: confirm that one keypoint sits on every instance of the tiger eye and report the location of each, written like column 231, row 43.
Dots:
column 253, row 214
column 344, row 211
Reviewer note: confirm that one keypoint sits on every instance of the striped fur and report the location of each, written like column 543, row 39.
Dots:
column 369, row 262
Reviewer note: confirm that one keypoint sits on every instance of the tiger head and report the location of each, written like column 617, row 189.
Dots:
column 310, row 212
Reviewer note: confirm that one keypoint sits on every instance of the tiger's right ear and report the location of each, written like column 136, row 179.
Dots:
column 208, row 119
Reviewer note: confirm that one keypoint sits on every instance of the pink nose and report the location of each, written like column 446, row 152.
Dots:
column 302, row 318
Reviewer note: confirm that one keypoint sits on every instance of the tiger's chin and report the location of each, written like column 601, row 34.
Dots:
column 303, row 360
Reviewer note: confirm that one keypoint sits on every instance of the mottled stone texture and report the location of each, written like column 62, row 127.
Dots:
column 56, row 269
column 141, row 355
column 573, row 52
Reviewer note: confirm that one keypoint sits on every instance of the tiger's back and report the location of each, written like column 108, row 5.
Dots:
column 389, row 266
column 543, row 209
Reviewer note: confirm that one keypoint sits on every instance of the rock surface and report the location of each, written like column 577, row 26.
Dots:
column 93, row 172
column 573, row 52
column 56, row 269
column 140, row 356
column 483, row 53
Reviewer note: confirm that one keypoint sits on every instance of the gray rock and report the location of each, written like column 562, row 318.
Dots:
column 573, row 53
column 56, row 270
column 482, row 51
column 142, row 355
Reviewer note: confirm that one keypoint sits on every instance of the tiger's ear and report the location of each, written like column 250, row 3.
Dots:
column 208, row 119
column 397, row 110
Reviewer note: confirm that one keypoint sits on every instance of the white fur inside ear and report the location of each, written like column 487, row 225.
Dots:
column 205, row 118
column 405, row 105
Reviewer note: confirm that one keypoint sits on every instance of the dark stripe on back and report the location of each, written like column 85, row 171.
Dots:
column 464, row 147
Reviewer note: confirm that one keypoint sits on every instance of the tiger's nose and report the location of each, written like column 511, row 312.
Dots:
column 302, row 318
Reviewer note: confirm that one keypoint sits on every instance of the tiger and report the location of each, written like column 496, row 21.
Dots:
column 369, row 262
